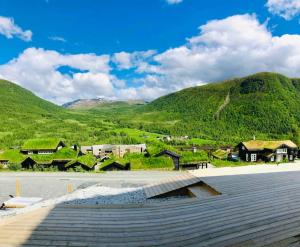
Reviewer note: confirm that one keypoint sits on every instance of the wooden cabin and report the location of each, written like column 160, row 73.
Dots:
column 267, row 151
column 28, row 163
column 174, row 156
column 42, row 146
column 115, row 166
column 4, row 162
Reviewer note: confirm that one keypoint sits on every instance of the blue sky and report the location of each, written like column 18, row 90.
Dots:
column 64, row 50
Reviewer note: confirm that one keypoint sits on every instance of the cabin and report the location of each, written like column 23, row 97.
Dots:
column 117, row 150
column 43, row 146
column 174, row 156
column 60, row 163
column 267, row 151
column 4, row 162
column 76, row 163
column 28, row 163
column 220, row 154
column 86, row 162
column 115, row 166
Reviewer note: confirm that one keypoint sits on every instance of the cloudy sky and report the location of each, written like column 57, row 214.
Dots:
column 141, row 49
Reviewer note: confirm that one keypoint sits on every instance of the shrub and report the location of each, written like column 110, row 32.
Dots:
column 14, row 167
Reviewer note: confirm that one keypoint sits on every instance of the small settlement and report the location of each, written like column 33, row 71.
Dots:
column 53, row 153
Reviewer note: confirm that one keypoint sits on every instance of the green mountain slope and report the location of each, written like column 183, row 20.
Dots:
column 25, row 116
column 22, row 113
column 265, row 104
column 17, row 100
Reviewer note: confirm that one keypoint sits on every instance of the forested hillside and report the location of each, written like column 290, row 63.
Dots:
column 264, row 104
column 24, row 116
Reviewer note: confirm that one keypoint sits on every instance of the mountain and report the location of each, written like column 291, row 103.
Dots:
column 16, row 100
column 265, row 104
column 85, row 104
column 24, row 115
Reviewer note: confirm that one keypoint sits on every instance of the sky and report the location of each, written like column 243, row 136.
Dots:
column 63, row 50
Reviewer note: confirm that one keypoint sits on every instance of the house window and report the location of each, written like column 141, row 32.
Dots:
column 291, row 157
column 247, row 158
column 272, row 158
column 253, row 157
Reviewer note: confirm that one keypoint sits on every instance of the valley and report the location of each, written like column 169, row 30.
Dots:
column 264, row 105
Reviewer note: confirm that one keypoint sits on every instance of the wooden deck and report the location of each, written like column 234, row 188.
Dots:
column 171, row 184
column 256, row 210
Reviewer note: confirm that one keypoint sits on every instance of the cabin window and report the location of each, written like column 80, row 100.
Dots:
column 45, row 152
column 282, row 150
column 247, row 158
column 253, row 157
column 272, row 158
column 291, row 157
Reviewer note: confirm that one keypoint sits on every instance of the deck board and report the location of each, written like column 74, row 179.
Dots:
column 170, row 184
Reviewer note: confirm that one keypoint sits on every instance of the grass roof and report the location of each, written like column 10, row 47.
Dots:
column 41, row 144
column 261, row 145
column 62, row 154
column 112, row 159
column 87, row 160
column 220, row 154
column 12, row 155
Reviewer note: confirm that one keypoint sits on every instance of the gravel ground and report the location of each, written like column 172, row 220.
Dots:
column 93, row 195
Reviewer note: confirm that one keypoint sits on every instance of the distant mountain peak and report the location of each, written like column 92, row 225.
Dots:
column 92, row 103
column 85, row 103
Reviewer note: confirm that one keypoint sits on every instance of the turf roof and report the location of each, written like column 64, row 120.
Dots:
column 41, row 144
column 12, row 155
column 62, row 154
column 87, row 160
column 261, row 145
column 220, row 154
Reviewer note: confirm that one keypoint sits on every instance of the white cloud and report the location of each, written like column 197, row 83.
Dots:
column 126, row 60
column 284, row 8
column 9, row 29
column 236, row 46
column 173, row 1
column 232, row 47
column 57, row 38
column 38, row 71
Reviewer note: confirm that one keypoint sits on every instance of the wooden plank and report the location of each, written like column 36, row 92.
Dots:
column 170, row 184
column 246, row 217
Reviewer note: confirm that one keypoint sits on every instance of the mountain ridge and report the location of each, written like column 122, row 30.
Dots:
column 266, row 105
column 264, row 102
